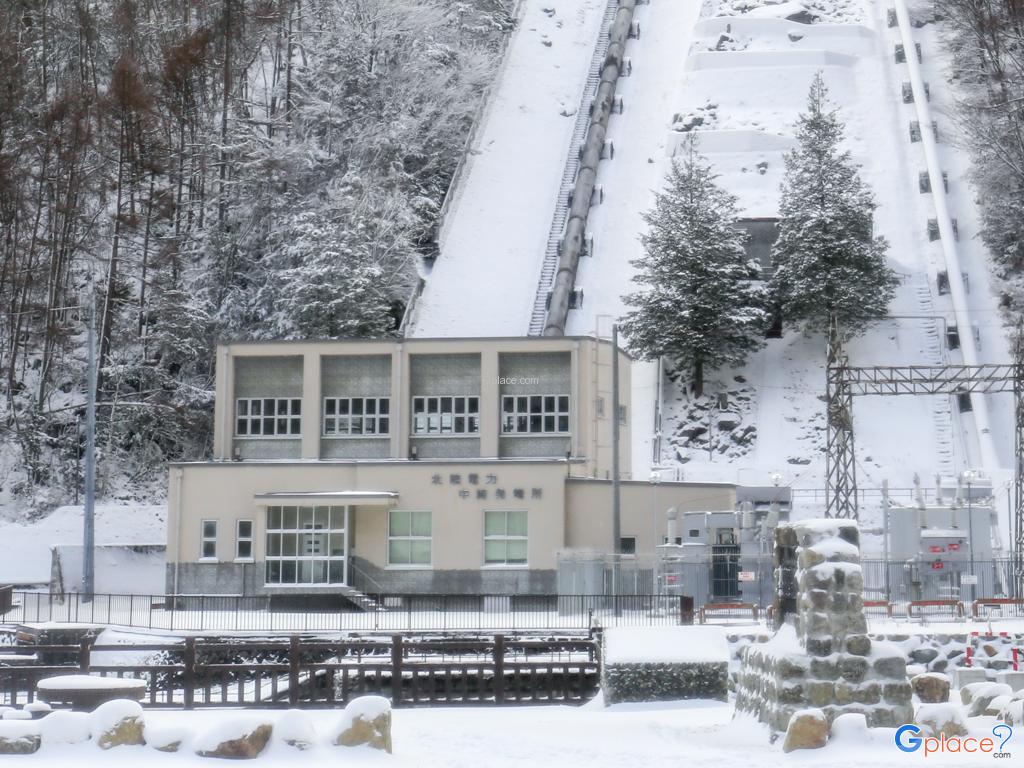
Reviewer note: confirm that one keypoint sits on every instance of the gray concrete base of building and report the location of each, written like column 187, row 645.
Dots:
column 248, row 580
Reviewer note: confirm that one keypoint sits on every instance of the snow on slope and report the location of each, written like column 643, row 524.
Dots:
column 749, row 97
column 744, row 71
column 26, row 547
column 485, row 278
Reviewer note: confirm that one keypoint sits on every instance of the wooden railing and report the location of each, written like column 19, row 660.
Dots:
column 312, row 673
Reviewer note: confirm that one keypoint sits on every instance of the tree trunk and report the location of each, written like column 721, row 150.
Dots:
column 698, row 376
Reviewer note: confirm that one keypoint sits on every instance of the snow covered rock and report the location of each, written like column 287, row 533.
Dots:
column 18, row 738
column 851, row 727
column 37, row 709
column 931, row 687
column 63, row 727
column 165, row 738
column 941, row 719
column 366, row 720
column 1013, row 713
column 17, row 714
column 118, row 723
column 808, row 729
column 982, row 694
column 295, row 729
column 241, row 739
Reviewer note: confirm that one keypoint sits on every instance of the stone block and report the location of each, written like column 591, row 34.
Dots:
column 891, row 666
column 820, row 693
column 858, row 645
column 931, row 688
column 824, row 668
column 845, row 693
column 787, row 669
column 868, row 693
column 819, row 646
column 807, row 729
column 923, row 655
column 853, row 668
column 791, row 694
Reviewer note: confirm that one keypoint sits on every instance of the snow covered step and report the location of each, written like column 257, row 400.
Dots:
column 761, row 59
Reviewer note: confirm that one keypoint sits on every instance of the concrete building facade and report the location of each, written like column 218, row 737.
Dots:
column 410, row 466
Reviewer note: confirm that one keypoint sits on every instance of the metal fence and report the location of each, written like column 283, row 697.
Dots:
column 670, row 596
column 395, row 613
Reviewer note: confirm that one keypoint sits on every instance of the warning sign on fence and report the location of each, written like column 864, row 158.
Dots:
column 747, row 576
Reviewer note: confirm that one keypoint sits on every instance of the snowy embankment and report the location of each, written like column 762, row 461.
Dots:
column 27, row 557
column 485, row 279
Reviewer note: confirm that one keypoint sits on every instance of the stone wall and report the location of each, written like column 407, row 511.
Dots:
column 664, row 682
column 821, row 656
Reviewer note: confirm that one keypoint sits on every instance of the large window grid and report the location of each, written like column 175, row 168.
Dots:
column 268, row 416
column 445, row 415
column 505, row 537
column 409, row 538
column 534, row 414
column 306, row 545
column 347, row 416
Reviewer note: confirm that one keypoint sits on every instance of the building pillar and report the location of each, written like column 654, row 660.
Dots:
column 490, row 404
column 311, row 386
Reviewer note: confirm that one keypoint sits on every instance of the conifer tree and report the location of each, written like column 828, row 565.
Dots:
column 699, row 305
column 828, row 265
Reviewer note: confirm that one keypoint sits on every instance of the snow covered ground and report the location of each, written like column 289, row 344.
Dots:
column 25, row 547
column 668, row 734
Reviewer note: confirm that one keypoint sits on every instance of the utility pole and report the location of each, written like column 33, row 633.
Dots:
column 89, row 512
column 616, row 490
column 969, row 477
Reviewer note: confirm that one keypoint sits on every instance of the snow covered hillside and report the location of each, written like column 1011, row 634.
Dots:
column 737, row 75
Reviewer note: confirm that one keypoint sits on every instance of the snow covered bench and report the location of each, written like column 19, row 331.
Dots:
column 664, row 664
column 86, row 692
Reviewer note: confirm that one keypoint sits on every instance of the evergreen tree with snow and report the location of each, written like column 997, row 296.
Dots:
column 828, row 265
column 699, row 306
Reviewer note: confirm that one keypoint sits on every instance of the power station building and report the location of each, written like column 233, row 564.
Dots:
column 412, row 466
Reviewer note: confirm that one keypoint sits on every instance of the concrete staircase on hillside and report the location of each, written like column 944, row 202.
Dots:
column 572, row 166
column 941, row 405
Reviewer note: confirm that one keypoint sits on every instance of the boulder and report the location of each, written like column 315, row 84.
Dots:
column 118, row 723
column 63, row 727
column 808, row 729
column 18, row 738
column 166, row 738
column 931, row 688
column 984, row 694
column 295, row 729
column 997, row 705
column 1013, row 713
column 852, row 727
column 236, row 740
column 941, row 720
column 367, row 720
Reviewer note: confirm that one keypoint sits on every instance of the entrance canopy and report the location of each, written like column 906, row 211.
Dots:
column 360, row 498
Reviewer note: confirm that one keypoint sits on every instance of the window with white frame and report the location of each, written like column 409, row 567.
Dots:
column 409, row 538
column 504, row 537
column 208, row 542
column 443, row 415
column 534, row 414
column 305, row 545
column 243, row 540
column 346, row 416
column 268, row 416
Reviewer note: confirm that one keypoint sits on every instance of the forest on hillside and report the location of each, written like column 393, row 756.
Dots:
column 201, row 170
column 985, row 39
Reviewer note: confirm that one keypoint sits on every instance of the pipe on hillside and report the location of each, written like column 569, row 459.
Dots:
column 586, row 179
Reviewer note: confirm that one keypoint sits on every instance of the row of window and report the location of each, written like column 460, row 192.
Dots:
column 307, row 545
column 436, row 415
